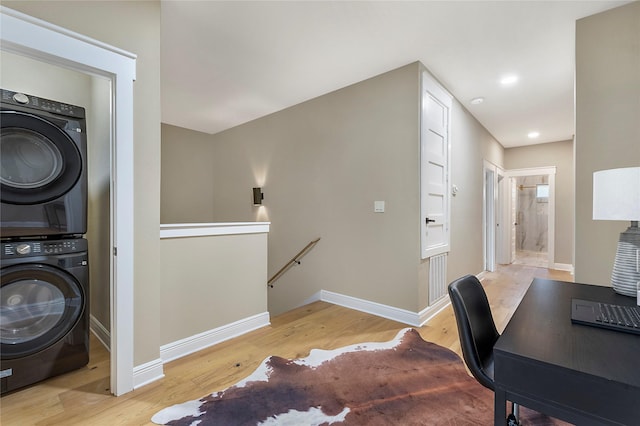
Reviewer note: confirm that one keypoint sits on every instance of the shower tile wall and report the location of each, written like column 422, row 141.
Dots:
column 532, row 215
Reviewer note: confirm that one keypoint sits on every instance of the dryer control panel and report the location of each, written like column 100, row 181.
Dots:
column 39, row 248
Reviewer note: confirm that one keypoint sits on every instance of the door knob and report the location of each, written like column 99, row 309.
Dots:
column 429, row 220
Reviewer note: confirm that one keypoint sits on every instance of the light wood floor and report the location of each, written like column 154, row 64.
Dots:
column 82, row 397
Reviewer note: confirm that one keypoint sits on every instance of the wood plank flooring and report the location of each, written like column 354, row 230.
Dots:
column 82, row 397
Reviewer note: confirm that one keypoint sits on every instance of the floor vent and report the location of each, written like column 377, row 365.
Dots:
column 437, row 277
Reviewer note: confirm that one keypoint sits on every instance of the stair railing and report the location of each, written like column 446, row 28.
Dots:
column 295, row 260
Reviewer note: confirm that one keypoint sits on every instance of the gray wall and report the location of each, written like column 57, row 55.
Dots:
column 607, row 126
column 471, row 144
column 210, row 282
column 560, row 155
column 187, row 176
column 322, row 164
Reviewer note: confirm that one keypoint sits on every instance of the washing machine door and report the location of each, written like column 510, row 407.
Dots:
column 39, row 161
column 39, row 305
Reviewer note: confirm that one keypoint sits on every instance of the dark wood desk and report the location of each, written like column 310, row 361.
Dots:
column 581, row 374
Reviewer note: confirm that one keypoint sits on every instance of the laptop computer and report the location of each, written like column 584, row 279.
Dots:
column 613, row 317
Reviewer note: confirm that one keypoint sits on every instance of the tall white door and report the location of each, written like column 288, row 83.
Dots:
column 434, row 173
column 489, row 218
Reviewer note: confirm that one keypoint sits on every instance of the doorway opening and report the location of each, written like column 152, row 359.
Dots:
column 532, row 215
column 30, row 37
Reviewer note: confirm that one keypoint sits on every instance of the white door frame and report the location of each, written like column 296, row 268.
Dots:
column 40, row 40
column 430, row 88
column 502, row 254
column 550, row 172
column 491, row 215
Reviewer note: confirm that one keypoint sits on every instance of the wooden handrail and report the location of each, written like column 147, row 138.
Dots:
column 296, row 259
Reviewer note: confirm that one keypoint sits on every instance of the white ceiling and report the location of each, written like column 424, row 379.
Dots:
column 227, row 63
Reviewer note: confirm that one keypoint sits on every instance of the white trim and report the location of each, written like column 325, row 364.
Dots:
column 531, row 171
column 100, row 331
column 60, row 30
column 147, row 373
column 179, row 230
column 563, row 267
column 417, row 319
column 316, row 297
column 34, row 38
column 489, row 207
column 197, row 342
column 430, row 85
column 503, row 250
column 429, row 312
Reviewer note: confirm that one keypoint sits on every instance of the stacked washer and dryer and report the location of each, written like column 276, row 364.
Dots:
column 44, row 293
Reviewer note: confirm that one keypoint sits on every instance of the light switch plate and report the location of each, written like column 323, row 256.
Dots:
column 378, row 206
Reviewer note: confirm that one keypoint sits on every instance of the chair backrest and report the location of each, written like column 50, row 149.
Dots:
column 476, row 328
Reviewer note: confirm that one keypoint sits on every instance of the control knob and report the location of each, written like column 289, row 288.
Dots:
column 21, row 98
column 23, row 249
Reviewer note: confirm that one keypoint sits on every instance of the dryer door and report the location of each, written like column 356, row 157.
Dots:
column 39, row 305
column 39, row 161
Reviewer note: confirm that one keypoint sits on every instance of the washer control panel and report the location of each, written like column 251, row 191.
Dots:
column 42, row 248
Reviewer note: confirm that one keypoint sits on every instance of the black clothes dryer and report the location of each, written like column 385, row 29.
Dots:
column 43, row 173
column 44, row 310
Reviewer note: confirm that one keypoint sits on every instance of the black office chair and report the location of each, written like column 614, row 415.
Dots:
column 477, row 332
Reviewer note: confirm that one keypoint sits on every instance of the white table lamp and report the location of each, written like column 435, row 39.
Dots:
column 616, row 196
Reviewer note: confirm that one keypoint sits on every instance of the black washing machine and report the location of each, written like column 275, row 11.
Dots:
column 43, row 176
column 44, row 310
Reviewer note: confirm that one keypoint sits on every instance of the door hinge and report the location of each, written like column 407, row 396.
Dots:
column 115, row 251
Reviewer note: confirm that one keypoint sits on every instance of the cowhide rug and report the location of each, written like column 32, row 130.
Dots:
column 406, row 381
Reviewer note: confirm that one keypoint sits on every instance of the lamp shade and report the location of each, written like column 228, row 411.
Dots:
column 616, row 194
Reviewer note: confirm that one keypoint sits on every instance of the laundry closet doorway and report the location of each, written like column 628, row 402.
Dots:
column 38, row 40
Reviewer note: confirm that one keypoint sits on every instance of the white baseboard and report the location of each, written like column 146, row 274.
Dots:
column 100, row 331
column 197, row 342
column 147, row 373
column 153, row 370
column 431, row 311
column 314, row 298
column 563, row 267
column 404, row 316
column 142, row 374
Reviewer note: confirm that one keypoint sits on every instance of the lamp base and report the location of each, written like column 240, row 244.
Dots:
column 626, row 268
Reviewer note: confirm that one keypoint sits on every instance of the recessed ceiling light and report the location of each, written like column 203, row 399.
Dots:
column 477, row 101
column 533, row 135
column 508, row 80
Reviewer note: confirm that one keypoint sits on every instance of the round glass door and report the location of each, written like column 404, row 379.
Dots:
column 38, row 161
column 39, row 305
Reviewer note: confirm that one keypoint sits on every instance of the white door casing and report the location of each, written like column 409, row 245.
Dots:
column 489, row 216
column 435, row 128
column 502, row 254
column 494, row 188
column 513, row 214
